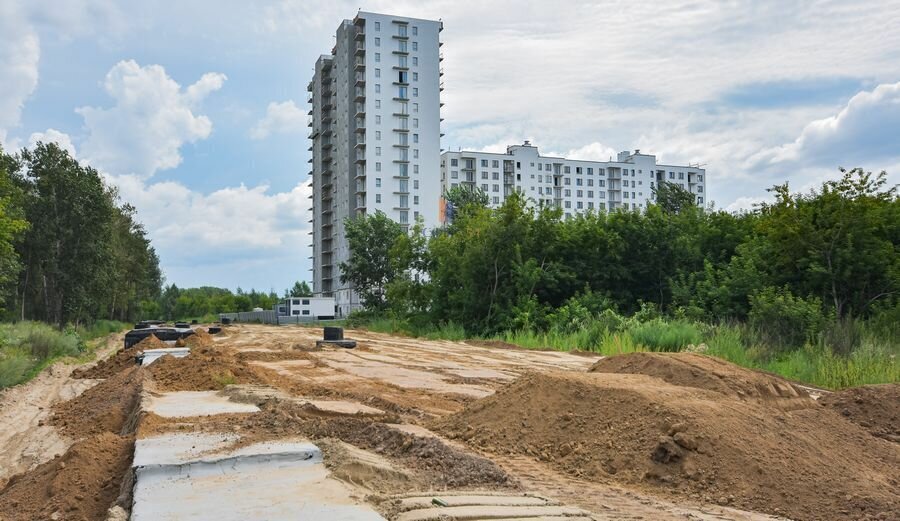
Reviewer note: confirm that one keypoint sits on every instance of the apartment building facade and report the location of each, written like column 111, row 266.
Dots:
column 573, row 185
column 375, row 130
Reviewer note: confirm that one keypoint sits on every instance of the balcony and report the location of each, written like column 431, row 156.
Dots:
column 360, row 79
column 360, row 94
column 360, row 156
column 360, row 33
column 360, row 49
column 360, row 124
column 359, row 63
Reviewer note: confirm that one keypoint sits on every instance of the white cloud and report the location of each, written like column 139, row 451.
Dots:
column 867, row 128
column 592, row 152
column 53, row 136
column 150, row 121
column 229, row 218
column 20, row 52
column 284, row 117
column 746, row 203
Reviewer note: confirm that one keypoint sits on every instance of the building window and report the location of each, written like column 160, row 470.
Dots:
column 699, row 178
column 484, row 175
column 568, row 193
column 454, row 174
column 378, row 182
column 401, row 93
column 415, row 76
column 700, row 189
column 378, row 166
column 484, row 163
column 415, row 107
column 377, row 42
column 590, row 170
column 415, row 92
column 415, row 30
column 579, row 181
column 415, row 199
column 306, row 312
column 377, row 87
column 568, row 181
column 415, row 169
column 377, row 26
column 415, row 60
column 568, row 204
column 377, row 57
column 295, row 312
column 415, row 46
column 401, row 30
column 415, row 138
column 378, row 104
column 415, row 122
column 579, row 193
column 377, row 73
column 377, row 135
column 378, row 198
column 590, row 194
column 680, row 175
column 496, row 176
column 377, row 151
column 568, row 169
column 404, row 217
column 496, row 188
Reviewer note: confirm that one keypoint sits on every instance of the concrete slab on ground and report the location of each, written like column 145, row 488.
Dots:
column 283, row 480
column 483, row 506
column 152, row 355
column 194, row 403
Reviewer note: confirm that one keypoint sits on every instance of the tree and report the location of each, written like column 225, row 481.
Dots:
column 839, row 243
column 368, row 269
column 673, row 198
column 67, row 249
column 12, row 227
column 301, row 289
column 464, row 198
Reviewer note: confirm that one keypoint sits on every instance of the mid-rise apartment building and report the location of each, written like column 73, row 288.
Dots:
column 574, row 185
column 375, row 128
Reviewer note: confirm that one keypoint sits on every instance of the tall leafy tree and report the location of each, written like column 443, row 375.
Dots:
column 369, row 269
column 300, row 289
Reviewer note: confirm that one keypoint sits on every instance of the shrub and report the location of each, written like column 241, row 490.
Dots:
column 659, row 335
column 784, row 321
column 13, row 366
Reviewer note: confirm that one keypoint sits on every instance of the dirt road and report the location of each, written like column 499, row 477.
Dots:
column 25, row 439
column 398, row 416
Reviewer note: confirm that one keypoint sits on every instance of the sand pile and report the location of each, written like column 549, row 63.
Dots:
column 79, row 485
column 706, row 372
column 200, row 338
column 204, row 369
column 105, row 407
column 808, row 463
column 875, row 408
column 123, row 359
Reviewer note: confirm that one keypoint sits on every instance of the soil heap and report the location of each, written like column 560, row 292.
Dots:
column 123, row 359
column 778, row 454
column 875, row 408
column 206, row 368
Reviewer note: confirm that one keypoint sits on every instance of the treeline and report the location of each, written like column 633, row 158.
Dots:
column 802, row 266
column 70, row 250
column 176, row 303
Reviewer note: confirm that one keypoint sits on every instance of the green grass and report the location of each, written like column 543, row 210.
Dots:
column 26, row 348
column 875, row 360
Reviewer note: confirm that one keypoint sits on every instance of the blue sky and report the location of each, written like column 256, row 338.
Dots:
column 197, row 110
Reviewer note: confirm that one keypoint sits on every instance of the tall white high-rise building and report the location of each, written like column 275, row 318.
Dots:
column 375, row 128
column 575, row 186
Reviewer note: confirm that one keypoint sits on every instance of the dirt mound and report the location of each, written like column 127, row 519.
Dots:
column 706, row 372
column 807, row 463
column 875, row 408
column 200, row 338
column 79, row 485
column 105, row 407
column 123, row 359
column 204, row 369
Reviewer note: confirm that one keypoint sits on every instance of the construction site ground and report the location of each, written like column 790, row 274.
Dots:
column 412, row 430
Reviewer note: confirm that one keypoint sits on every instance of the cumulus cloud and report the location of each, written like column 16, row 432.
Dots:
column 53, row 136
column 592, row 152
column 867, row 128
column 20, row 53
column 151, row 119
column 284, row 117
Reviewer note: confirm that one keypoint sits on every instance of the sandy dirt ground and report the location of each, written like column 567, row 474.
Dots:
column 399, row 415
column 26, row 440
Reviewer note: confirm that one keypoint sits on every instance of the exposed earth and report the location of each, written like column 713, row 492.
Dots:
column 549, row 435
